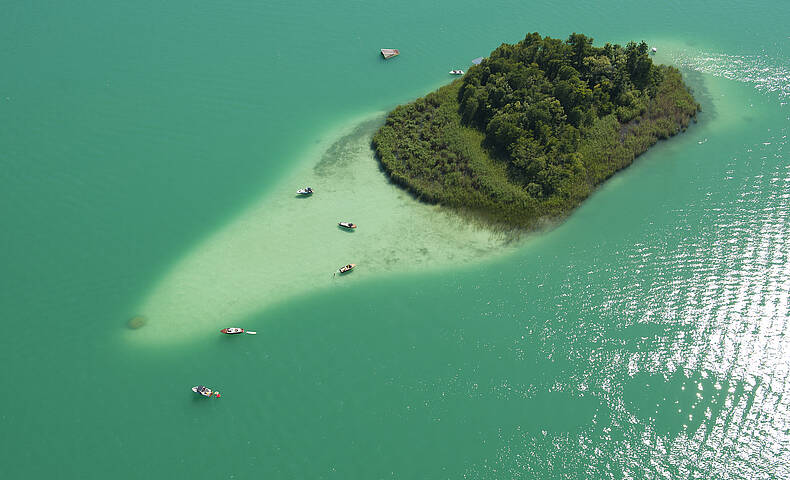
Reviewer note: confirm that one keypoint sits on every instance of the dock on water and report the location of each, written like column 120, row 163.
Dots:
column 389, row 52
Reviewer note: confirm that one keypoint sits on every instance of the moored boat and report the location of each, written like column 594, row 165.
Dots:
column 232, row 330
column 347, row 268
column 456, row 72
column 305, row 191
column 348, row 225
column 388, row 53
column 204, row 391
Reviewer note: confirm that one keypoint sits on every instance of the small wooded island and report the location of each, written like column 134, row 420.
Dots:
column 527, row 134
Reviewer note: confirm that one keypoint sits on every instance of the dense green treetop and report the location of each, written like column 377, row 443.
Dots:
column 531, row 130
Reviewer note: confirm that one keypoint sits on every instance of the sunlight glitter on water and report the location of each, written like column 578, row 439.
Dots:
column 736, row 358
column 682, row 341
column 766, row 73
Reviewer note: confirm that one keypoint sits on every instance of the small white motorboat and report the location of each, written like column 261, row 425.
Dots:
column 204, row 391
column 456, row 72
column 305, row 191
column 347, row 225
column 654, row 49
column 347, row 268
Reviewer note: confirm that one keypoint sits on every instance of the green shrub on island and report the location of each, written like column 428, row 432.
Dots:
column 529, row 133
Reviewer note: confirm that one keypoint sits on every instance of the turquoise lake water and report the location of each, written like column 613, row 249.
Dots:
column 149, row 154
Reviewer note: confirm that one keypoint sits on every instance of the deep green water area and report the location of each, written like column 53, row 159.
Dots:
column 149, row 154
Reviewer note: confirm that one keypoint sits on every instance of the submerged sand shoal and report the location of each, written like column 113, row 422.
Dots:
column 286, row 245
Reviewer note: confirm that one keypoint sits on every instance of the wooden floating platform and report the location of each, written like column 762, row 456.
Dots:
column 389, row 52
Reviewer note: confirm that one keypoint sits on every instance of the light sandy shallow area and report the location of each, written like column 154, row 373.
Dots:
column 286, row 245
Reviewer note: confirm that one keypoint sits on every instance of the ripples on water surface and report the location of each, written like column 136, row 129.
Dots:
column 766, row 73
column 679, row 336
column 644, row 338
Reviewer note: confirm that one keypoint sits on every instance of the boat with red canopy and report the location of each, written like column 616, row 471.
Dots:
column 232, row 330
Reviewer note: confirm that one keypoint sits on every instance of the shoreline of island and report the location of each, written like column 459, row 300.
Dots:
column 226, row 277
column 526, row 136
